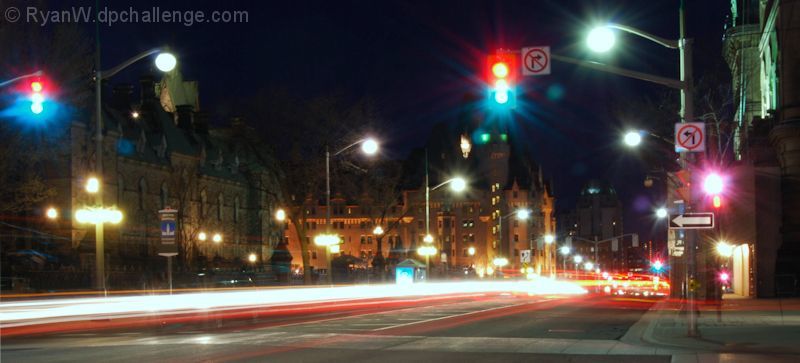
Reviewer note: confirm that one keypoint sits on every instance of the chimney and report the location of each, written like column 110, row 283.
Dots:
column 201, row 123
column 148, row 88
column 121, row 96
column 184, row 113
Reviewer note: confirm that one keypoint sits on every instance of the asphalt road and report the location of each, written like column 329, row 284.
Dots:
column 481, row 328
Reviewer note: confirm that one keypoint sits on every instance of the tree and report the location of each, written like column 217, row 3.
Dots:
column 301, row 132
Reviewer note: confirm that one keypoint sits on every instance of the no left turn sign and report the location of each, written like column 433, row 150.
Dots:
column 690, row 137
column 536, row 61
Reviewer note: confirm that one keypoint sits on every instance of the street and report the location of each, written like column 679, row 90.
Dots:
column 505, row 327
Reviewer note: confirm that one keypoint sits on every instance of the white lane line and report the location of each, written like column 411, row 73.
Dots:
column 457, row 315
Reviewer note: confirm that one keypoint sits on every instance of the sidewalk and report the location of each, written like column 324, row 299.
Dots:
column 757, row 326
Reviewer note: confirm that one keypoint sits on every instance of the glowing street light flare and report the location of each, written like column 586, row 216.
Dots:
column 92, row 185
column 427, row 239
column 166, row 62
column 202, row 236
column 658, row 265
column 601, row 39
column 633, row 138
column 426, row 251
column 325, row 240
column 98, row 216
column 280, row 215
column 549, row 238
column 52, row 213
column 713, row 184
column 578, row 259
column 458, row 184
column 217, row 238
column 589, row 266
column 661, row 213
column 252, row 258
column 471, row 251
column 724, row 249
column 564, row 250
column 378, row 230
column 523, row 214
column 500, row 261
column 369, row 146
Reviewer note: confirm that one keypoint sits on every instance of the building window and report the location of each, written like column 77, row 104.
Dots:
column 514, row 194
column 363, row 240
column 220, row 202
column 236, row 209
column 516, row 223
column 516, row 238
column 420, row 224
column 313, row 225
column 142, row 192
column 313, row 255
column 369, row 240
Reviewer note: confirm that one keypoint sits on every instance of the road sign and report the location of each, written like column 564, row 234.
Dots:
column 691, row 221
column 525, row 256
column 690, row 137
column 168, row 229
column 536, row 61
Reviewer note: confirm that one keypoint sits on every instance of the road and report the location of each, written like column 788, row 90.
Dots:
column 478, row 327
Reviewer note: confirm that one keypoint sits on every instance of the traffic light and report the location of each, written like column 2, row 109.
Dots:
column 716, row 201
column 502, row 69
column 37, row 97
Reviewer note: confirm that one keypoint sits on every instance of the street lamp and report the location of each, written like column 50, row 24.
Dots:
column 52, row 213
column 549, row 238
column 521, row 214
column 589, row 266
column 601, row 39
column 457, row 184
column 92, row 185
column 633, row 138
column 202, row 236
column 280, row 215
column 217, row 238
column 499, row 263
column 724, row 249
column 378, row 230
column 165, row 62
column 661, row 213
column 252, row 258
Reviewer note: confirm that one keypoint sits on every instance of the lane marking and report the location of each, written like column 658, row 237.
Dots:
column 457, row 315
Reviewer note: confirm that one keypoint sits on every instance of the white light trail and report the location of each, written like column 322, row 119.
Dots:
column 31, row 312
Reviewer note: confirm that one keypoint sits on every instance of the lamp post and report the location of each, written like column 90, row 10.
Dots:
column 369, row 146
column 521, row 214
column 564, row 253
column 165, row 62
column 98, row 216
column 457, row 184
column 601, row 40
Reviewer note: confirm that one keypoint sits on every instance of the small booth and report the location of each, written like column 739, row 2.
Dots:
column 410, row 271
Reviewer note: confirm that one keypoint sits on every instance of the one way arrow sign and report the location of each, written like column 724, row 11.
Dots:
column 691, row 221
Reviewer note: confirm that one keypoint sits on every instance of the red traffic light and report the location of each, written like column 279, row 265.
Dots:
column 501, row 78
column 37, row 97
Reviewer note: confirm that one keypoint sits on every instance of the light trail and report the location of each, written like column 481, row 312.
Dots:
column 32, row 312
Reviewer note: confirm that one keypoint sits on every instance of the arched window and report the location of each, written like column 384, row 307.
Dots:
column 236, row 209
column 164, row 195
column 203, row 203
column 142, row 193
column 220, row 202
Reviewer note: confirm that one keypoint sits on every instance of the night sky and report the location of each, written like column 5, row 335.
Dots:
column 419, row 58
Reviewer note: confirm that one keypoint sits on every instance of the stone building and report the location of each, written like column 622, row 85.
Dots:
column 160, row 151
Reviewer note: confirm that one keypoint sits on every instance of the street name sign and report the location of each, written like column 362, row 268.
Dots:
column 536, row 61
column 691, row 221
column 690, row 137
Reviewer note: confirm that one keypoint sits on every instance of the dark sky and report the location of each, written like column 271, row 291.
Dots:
column 419, row 58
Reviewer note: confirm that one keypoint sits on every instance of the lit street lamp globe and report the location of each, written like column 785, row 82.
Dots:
column 166, row 62
column 661, row 212
column 280, row 215
column 600, row 39
column 523, row 214
column 369, row 146
column 252, row 257
column 428, row 238
column 564, row 250
column 589, row 266
column 471, row 251
column 217, row 238
column 202, row 236
column 578, row 259
column 633, row 138
column 724, row 249
column 550, row 239
column 52, row 213
column 92, row 185
column 458, row 184
column 378, row 231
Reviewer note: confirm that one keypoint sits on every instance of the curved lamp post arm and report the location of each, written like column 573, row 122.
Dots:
column 111, row 72
column 349, row 146
column 668, row 43
column 10, row 81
